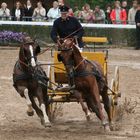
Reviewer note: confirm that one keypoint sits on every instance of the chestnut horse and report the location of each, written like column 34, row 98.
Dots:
column 88, row 79
column 30, row 81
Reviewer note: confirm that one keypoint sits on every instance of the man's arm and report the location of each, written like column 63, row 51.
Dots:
column 80, row 30
column 54, row 32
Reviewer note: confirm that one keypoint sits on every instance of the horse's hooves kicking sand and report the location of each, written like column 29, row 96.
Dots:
column 30, row 113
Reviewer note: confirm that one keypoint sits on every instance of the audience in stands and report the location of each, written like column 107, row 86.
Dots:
column 39, row 12
column 107, row 13
column 54, row 12
column 17, row 12
column 4, row 12
column 99, row 15
column 118, row 15
column 132, row 13
column 125, row 6
column 86, row 14
column 28, row 11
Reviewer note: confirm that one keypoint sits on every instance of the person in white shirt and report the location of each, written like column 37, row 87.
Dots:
column 4, row 11
column 54, row 12
column 17, row 12
column 39, row 12
column 132, row 13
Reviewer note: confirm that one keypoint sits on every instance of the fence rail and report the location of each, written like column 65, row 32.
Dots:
column 85, row 25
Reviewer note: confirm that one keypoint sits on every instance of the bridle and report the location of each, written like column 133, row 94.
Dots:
column 67, row 49
column 27, row 59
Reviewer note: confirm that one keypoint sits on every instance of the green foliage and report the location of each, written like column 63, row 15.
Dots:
column 92, row 3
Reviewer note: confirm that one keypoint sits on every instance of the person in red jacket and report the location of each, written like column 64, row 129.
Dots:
column 118, row 15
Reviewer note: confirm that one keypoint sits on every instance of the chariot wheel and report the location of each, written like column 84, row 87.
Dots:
column 113, row 101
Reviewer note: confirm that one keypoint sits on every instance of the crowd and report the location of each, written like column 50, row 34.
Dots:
column 118, row 13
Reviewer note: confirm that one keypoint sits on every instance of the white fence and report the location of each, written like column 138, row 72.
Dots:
column 86, row 25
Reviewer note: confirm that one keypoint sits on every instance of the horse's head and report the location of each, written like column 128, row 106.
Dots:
column 66, row 51
column 66, row 54
column 29, row 51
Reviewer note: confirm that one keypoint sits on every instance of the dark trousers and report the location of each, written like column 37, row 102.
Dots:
column 138, row 37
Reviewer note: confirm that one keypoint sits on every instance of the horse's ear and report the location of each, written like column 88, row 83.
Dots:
column 38, row 50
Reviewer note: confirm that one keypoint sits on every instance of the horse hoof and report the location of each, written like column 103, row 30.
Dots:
column 107, row 128
column 111, row 126
column 88, row 118
column 48, row 124
column 30, row 113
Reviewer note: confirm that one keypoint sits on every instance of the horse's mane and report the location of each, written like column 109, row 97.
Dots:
column 76, row 51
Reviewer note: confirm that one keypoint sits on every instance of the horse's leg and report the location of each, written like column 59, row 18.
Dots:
column 106, row 103
column 97, row 106
column 78, row 96
column 23, row 91
column 30, row 111
column 43, row 106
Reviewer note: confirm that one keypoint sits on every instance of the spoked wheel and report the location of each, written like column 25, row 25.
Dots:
column 113, row 97
column 113, row 106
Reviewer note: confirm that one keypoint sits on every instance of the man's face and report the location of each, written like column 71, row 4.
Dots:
column 135, row 4
column 39, row 5
column 55, row 5
column 117, row 5
column 64, row 15
column 124, row 4
column 97, row 9
column 28, row 2
column 3, row 6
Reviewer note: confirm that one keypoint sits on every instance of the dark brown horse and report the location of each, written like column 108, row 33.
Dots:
column 30, row 81
column 88, row 78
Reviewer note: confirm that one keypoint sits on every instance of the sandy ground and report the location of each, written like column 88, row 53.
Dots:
column 70, row 123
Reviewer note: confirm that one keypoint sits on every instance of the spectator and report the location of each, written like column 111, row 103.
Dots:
column 132, row 13
column 99, row 15
column 87, row 13
column 39, row 12
column 28, row 11
column 17, row 12
column 4, row 12
column 107, row 13
column 70, row 12
column 137, row 20
column 54, row 12
column 125, row 6
column 118, row 15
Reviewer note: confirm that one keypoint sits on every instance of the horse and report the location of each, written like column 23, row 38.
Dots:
column 88, row 79
column 30, row 81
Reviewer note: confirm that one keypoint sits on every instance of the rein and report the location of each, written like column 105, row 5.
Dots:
column 75, row 68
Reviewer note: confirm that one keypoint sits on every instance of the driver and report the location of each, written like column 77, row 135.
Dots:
column 67, row 26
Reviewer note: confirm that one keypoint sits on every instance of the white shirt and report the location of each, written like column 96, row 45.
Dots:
column 17, row 13
column 5, row 12
column 131, row 16
column 53, row 13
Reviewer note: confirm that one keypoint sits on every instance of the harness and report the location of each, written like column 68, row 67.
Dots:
column 37, row 74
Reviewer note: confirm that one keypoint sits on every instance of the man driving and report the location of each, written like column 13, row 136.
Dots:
column 67, row 27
